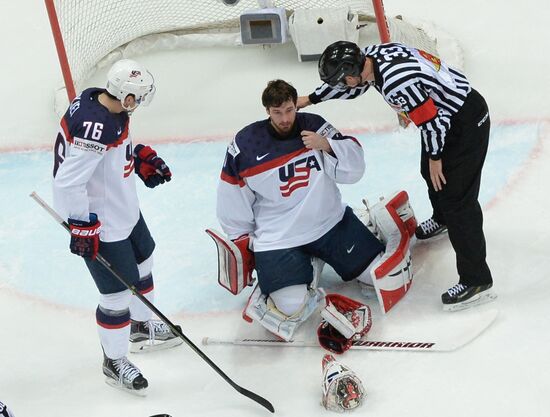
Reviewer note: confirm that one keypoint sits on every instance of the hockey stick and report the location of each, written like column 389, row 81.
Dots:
column 253, row 396
column 435, row 343
column 358, row 345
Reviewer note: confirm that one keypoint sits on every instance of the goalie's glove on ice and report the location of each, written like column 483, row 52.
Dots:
column 344, row 321
column 85, row 236
column 150, row 168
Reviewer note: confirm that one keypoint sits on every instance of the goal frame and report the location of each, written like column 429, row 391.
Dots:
column 381, row 21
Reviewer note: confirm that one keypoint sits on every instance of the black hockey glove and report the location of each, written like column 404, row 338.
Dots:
column 85, row 237
column 150, row 168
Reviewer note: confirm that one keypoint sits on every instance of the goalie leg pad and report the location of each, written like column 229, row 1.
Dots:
column 399, row 205
column 263, row 309
column 392, row 273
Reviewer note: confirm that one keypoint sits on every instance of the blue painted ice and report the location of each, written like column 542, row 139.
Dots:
column 39, row 263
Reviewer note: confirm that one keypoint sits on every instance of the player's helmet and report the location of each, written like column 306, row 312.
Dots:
column 129, row 77
column 340, row 59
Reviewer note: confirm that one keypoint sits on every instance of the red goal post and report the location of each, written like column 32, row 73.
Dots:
column 86, row 32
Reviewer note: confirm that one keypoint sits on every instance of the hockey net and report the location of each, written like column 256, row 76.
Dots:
column 88, row 33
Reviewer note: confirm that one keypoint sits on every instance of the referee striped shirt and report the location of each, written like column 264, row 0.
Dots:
column 414, row 83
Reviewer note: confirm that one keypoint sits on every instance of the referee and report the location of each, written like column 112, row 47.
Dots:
column 453, row 119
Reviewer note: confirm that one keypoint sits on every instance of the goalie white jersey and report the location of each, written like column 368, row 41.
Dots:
column 278, row 191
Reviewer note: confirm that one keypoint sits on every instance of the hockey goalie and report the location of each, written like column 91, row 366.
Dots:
column 389, row 224
column 278, row 202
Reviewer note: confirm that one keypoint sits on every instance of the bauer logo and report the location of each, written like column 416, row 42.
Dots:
column 89, row 146
column 296, row 174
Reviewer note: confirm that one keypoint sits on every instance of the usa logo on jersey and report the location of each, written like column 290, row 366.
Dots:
column 296, row 174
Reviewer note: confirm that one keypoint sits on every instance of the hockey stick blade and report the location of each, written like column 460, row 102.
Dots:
column 175, row 329
column 438, row 343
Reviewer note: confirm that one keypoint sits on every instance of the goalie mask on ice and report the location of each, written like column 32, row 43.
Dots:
column 393, row 222
column 342, row 389
column 235, row 261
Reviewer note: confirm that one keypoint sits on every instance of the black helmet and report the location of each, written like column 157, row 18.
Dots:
column 340, row 59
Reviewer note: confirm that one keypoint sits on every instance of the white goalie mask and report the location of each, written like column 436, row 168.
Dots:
column 342, row 389
column 129, row 77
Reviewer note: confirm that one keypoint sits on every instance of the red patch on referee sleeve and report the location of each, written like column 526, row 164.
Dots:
column 423, row 113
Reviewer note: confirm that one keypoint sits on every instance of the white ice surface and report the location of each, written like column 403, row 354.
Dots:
column 49, row 350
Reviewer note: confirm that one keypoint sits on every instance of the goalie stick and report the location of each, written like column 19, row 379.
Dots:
column 435, row 344
column 175, row 329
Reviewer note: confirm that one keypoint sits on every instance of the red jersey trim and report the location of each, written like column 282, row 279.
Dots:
column 231, row 180
column 274, row 163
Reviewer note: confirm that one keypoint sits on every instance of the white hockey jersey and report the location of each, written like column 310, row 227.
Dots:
column 94, row 167
column 278, row 191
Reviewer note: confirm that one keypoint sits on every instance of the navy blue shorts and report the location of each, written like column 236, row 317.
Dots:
column 124, row 256
column 349, row 247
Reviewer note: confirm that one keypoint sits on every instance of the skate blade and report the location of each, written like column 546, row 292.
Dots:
column 146, row 346
column 122, row 387
column 478, row 299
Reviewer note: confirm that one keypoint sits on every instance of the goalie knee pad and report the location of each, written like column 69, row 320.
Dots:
column 290, row 300
column 263, row 309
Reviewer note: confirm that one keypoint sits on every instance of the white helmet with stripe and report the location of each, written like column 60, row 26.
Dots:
column 127, row 77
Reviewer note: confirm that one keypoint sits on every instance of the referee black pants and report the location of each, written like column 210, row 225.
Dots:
column 457, row 205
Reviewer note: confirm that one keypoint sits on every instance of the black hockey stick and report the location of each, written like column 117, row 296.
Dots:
column 175, row 329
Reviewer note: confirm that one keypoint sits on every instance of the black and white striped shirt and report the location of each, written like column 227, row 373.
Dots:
column 414, row 83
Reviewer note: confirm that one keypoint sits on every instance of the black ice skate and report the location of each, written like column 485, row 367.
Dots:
column 146, row 336
column 428, row 229
column 460, row 297
column 123, row 374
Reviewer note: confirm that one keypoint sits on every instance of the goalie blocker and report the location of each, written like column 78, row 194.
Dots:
column 235, row 261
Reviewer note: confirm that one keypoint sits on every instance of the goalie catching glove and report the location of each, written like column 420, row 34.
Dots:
column 344, row 321
column 342, row 389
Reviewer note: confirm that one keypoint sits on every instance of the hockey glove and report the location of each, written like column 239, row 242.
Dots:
column 85, row 236
column 344, row 321
column 150, row 168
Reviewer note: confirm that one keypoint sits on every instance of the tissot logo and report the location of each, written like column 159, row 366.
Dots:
column 296, row 174
column 87, row 145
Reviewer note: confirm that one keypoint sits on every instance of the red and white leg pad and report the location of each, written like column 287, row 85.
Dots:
column 235, row 261
column 399, row 202
column 394, row 223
